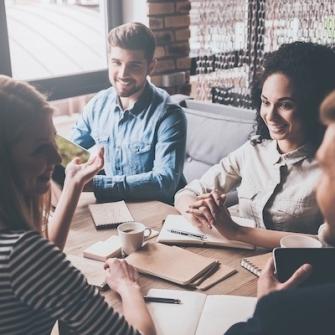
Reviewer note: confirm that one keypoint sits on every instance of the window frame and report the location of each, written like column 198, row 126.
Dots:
column 63, row 86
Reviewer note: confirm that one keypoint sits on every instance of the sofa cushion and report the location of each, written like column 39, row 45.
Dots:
column 213, row 131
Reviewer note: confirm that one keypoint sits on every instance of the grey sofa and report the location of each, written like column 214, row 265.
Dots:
column 213, row 131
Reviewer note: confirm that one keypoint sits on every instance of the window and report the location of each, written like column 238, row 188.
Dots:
column 57, row 45
column 230, row 40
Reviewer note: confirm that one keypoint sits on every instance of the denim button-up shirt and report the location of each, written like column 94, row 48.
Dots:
column 276, row 190
column 144, row 145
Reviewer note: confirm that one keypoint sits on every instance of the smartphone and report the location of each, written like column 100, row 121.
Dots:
column 68, row 150
column 288, row 260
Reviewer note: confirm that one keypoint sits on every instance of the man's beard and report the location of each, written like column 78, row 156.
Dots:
column 125, row 93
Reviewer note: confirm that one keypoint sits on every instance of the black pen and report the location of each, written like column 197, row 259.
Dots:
column 186, row 233
column 163, row 300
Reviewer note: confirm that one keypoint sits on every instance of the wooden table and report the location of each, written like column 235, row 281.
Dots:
column 152, row 213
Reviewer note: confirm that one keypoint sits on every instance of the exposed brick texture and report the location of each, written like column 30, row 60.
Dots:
column 182, row 34
column 170, row 21
column 178, row 50
column 183, row 63
column 156, row 22
column 161, row 8
column 156, row 80
column 183, row 7
column 164, row 37
column 164, row 65
column 177, row 21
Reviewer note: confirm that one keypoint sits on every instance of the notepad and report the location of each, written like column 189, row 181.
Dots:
column 110, row 215
column 174, row 264
column 111, row 247
column 102, row 250
column 198, row 314
column 212, row 236
column 255, row 264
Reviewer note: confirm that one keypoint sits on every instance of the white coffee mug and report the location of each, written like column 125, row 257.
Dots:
column 299, row 241
column 132, row 235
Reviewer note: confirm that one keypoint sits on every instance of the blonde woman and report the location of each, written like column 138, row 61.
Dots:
column 37, row 284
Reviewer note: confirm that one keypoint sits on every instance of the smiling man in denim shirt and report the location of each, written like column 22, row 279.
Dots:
column 143, row 133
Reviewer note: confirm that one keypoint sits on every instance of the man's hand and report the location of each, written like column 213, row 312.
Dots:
column 268, row 282
column 82, row 174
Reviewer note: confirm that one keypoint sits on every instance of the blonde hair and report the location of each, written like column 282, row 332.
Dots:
column 19, row 103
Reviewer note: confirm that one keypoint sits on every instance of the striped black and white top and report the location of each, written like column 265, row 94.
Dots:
column 39, row 286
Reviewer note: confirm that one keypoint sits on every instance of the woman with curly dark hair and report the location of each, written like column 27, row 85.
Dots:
column 310, row 70
column 275, row 172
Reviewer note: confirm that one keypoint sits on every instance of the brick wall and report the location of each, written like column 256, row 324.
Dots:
column 170, row 20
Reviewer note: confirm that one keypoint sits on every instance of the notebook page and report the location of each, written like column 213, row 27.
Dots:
column 173, row 318
column 179, row 222
column 222, row 311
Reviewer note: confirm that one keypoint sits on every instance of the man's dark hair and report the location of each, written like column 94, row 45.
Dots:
column 133, row 36
column 310, row 68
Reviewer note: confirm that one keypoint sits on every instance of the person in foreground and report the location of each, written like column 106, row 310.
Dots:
column 326, row 187
column 143, row 133
column 37, row 284
column 283, row 309
column 276, row 173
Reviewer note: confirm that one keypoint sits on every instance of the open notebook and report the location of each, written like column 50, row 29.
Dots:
column 198, row 314
column 188, row 233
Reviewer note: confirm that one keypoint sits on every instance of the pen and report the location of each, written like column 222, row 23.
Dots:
column 163, row 300
column 186, row 233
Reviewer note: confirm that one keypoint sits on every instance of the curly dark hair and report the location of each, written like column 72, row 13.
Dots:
column 311, row 70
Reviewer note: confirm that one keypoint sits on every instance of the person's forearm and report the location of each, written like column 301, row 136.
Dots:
column 135, row 311
column 59, row 225
column 261, row 237
column 144, row 186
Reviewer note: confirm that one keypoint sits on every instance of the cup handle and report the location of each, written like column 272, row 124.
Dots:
column 147, row 233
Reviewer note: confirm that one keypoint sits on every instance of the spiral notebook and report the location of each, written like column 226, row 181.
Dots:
column 255, row 264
